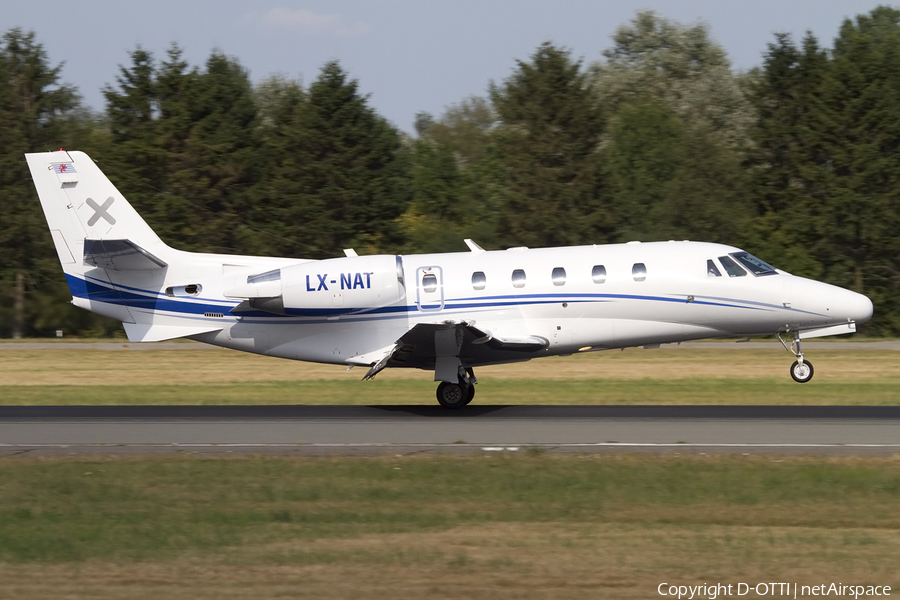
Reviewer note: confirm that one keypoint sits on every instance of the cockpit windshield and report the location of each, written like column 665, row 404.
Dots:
column 732, row 267
column 754, row 265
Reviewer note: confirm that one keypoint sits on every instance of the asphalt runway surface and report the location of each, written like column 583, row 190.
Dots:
column 374, row 430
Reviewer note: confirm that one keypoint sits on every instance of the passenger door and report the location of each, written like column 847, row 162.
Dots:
column 429, row 288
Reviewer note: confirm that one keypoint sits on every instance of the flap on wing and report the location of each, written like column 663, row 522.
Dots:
column 531, row 343
column 142, row 332
column 420, row 347
column 119, row 255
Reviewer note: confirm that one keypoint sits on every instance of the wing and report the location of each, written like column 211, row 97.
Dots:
column 445, row 347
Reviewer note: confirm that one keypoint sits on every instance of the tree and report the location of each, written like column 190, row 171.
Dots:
column 666, row 182
column 827, row 164
column 681, row 66
column 465, row 128
column 186, row 144
column 338, row 178
column 789, row 159
column 644, row 156
column 216, row 164
column 454, row 176
column 547, row 141
column 35, row 114
column 861, row 214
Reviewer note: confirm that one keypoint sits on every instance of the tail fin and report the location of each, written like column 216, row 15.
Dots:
column 115, row 264
column 97, row 233
column 81, row 204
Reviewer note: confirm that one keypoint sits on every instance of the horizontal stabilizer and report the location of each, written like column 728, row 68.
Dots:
column 143, row 332
column 119, row 255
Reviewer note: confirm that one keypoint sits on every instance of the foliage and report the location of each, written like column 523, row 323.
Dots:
column 548, row 140
column 797, row 161
column 335, row 175
column 455, row 174
column 827, row 164
column 36, row 112
column 681, row 66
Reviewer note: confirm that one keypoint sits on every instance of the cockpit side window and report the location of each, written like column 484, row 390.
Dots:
column 754, row 265
column 711, row 269
column 732, row 267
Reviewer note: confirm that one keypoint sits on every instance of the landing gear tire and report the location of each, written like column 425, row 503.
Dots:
column 453, row 395
column 801, row 372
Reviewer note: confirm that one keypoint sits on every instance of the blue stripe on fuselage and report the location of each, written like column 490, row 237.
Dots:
column 95, row 290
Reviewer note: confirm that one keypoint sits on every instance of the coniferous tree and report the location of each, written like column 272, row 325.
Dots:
column 37, row 113
column 789, row 159
column 339, row 179
column 219, row 161
column 547, row 141
column 860, row 217
column 189, row 141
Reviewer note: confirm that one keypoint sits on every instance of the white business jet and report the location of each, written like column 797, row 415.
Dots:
column 446, row 313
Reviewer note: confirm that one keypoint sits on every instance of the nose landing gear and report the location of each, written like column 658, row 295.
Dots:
column 802, row 370
column 459, row 394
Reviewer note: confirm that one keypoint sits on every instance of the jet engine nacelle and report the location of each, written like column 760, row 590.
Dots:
column 334, row 286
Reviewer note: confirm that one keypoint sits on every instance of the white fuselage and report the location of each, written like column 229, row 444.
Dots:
column 559, row 299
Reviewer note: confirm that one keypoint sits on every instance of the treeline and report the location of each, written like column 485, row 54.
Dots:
column 797, row 161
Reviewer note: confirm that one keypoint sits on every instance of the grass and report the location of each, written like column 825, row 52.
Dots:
column 530, row 526
column 527, row 526
column 666, row 376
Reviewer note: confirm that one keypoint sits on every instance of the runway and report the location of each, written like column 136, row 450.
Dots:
column 373, row 430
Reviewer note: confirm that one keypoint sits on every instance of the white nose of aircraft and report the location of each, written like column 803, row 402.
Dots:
column 817, row 304
column 853, row 306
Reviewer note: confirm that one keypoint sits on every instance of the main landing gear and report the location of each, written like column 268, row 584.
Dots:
column 459, row 394
column 802, row 370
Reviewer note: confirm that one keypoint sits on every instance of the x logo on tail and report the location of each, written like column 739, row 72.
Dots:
column 100, row 211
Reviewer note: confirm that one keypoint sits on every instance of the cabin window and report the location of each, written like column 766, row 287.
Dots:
column 478, row 280
column 639, row 271
column 429, row 282
column 732, row 267
column 753, row 264
column 711, row 269
column 559, row 276
column 598, row 274
column 518, row 278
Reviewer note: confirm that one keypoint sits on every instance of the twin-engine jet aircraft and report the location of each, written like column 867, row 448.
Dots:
column 446, row 313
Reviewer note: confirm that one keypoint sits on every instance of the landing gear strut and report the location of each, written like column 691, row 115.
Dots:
column 801, row 370
column 459, row 394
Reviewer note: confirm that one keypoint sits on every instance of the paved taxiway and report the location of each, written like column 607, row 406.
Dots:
column 325, row 430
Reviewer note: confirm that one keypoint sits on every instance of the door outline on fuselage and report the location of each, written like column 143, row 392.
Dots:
column 429, row 300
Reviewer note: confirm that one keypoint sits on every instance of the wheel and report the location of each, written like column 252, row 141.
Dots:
column 471, row 394
column 802, row 372
column 452, row 395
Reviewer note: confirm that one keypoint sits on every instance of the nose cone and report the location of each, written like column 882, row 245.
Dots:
column 817, row 304
column 855, row 307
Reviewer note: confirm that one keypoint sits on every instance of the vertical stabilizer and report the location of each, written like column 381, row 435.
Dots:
column 80, row 203
column 94, row 229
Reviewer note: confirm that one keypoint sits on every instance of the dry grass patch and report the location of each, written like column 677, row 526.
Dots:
column 524, row 527
column 506, row 561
